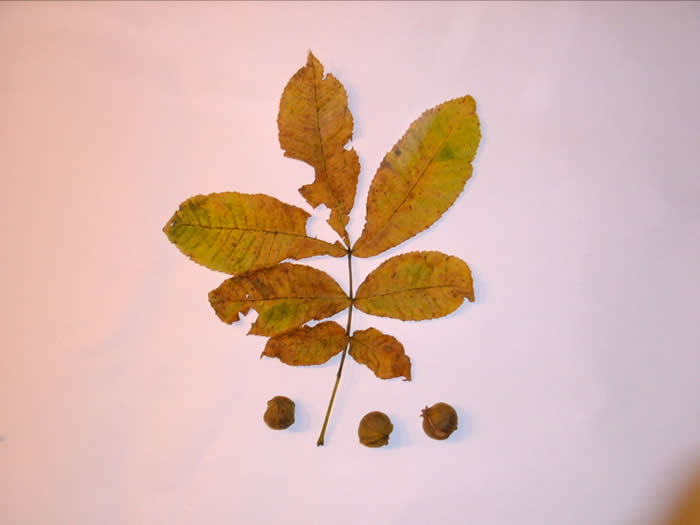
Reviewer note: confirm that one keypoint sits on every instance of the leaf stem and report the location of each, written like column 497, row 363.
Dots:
column 342, row 357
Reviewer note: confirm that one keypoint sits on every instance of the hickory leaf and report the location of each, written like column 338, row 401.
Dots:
column 383, row 354
column 236, row 232
column 314, row 124
column 249, row 236
column 285, row 297
column 421, row 176
column 416, row 286
column 307, row 345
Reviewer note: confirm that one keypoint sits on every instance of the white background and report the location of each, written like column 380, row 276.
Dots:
column 124, row 400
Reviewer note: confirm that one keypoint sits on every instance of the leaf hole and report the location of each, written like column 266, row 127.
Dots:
column 318, row 227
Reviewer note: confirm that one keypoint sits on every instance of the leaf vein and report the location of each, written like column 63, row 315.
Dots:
column 404, row 290
column 254, row 230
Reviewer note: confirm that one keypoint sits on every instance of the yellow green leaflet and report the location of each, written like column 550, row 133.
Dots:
column 314, row 124
column 382, row 353
column 285, row 297
column 415, row 286
column 236, row 232
column 421, row 176
column 307, row 345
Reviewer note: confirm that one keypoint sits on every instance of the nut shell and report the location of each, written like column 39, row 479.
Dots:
column 280, row 413
column 374, row 430
column 439, row 420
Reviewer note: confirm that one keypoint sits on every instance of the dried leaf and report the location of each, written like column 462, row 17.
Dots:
column 421, row 176
column 285, row 297
column 249, row 235
column 236, row 232
column 415, row 286
column 307, row 345
column 314, row 124
column 383, row 354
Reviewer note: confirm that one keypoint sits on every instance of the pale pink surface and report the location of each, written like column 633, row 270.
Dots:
column 125, row 401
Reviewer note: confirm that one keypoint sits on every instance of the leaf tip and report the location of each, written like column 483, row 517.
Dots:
column 167, row 228
column 312, row 61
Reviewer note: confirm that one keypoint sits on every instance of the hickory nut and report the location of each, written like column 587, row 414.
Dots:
column 439, row 420
column 280, row 413
column 374, row 430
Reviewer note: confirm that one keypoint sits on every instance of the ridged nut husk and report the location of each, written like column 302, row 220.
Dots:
column 280, row 413
column 374, row 430
column 439, row 420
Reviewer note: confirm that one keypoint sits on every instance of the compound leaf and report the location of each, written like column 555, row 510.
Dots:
column 285, row 297
column 314, row 124
column 416, row 286
column 382, row 353
column 307, row 345
column 236, row 232
column 421, row 176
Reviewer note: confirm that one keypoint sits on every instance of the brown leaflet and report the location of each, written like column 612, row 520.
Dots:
column 382, row 353
column 315, row 124
column 285, row 297
column 307, row 345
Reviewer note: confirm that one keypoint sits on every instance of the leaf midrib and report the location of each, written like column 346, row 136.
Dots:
column 408, row 290
column 250, row 230
column 317, row 107
column 289, row 298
